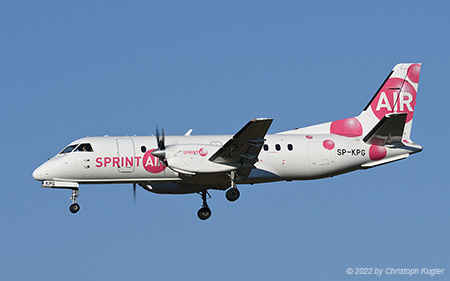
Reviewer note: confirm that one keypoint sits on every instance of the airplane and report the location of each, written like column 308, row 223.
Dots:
column 195, row 164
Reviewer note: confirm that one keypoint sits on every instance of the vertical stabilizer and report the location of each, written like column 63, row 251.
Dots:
column 397, row 94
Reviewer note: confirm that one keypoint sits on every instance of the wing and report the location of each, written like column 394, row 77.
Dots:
column 245, row 145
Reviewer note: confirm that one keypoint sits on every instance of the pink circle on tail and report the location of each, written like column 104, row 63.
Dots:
column 328, row 144
column 389, row 100
column 349, row 127
column 377, row 152
column 414, row 72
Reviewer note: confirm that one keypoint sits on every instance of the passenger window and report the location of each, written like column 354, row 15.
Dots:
column 68, row 149
column 266, row 147
column 278, row 147
column 143, row 149
column 84, row 147
column 290, row 147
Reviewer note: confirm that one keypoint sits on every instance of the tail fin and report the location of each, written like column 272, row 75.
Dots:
column 397, row 94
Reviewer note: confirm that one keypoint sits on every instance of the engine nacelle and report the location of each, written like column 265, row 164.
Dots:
column 194, row 158
column 178, row 188
column 171, row 188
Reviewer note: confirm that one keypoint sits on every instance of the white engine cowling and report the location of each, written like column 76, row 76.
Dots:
column 194, row 158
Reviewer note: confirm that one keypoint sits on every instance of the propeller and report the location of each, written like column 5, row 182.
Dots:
column 134, row 193
column 160, row 138
column 160, row 141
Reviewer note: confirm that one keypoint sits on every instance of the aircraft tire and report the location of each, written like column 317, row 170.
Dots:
column 232, row 194
column 204, row 213
column 74, row 208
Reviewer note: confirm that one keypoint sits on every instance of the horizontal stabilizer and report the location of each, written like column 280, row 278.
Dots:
column 388, row 130
column 372, row 164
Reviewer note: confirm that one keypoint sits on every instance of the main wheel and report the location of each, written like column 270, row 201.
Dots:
column 232, row 194
column 74, row 208
column 204, row 213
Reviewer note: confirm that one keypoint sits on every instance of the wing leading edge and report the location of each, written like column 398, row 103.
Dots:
column 245, row 145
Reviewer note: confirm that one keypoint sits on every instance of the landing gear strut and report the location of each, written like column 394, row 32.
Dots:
column 74, row 207
column 205, row 212
column 233, row 193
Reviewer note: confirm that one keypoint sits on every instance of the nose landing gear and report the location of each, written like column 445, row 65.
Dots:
column 74, row 208
column 205, row 212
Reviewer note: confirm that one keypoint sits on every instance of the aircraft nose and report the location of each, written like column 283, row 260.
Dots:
column 40, row 173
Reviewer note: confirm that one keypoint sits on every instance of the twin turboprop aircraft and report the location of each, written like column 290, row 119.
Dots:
column 195, row 164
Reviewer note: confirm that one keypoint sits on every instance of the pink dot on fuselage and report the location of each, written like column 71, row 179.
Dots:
column 152, row 164
column 328, row 144
column 414, row 72
column 309, row 137
column 350, row 127
column 377, row 152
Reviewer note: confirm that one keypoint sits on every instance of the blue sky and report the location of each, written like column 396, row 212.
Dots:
column 86, row 68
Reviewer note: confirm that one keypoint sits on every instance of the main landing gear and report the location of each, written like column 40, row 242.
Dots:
column 74, row 208
column 205, row 212
column 233, row 193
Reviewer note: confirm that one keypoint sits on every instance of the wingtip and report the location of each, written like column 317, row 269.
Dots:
column 261, row 119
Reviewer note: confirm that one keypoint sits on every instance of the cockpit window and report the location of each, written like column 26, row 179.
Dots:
column 84, row 147
column 68, row 149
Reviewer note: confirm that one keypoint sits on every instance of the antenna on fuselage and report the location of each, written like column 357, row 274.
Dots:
column 188, row 133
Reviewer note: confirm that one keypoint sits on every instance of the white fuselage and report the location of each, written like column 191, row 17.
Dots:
column 283, row 157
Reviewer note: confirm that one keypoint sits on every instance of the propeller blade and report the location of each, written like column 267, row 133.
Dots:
column 163, row 141
column 157, row 136
column 160, row 139
column 134, row 193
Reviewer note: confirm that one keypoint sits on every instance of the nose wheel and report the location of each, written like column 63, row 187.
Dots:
column 74, row 208
column 205, row 212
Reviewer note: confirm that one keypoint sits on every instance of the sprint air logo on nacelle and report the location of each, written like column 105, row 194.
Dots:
column 397, row 95
column 202, row 152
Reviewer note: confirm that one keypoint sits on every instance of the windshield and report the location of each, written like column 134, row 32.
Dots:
column 84, row 147
column 68, row 149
